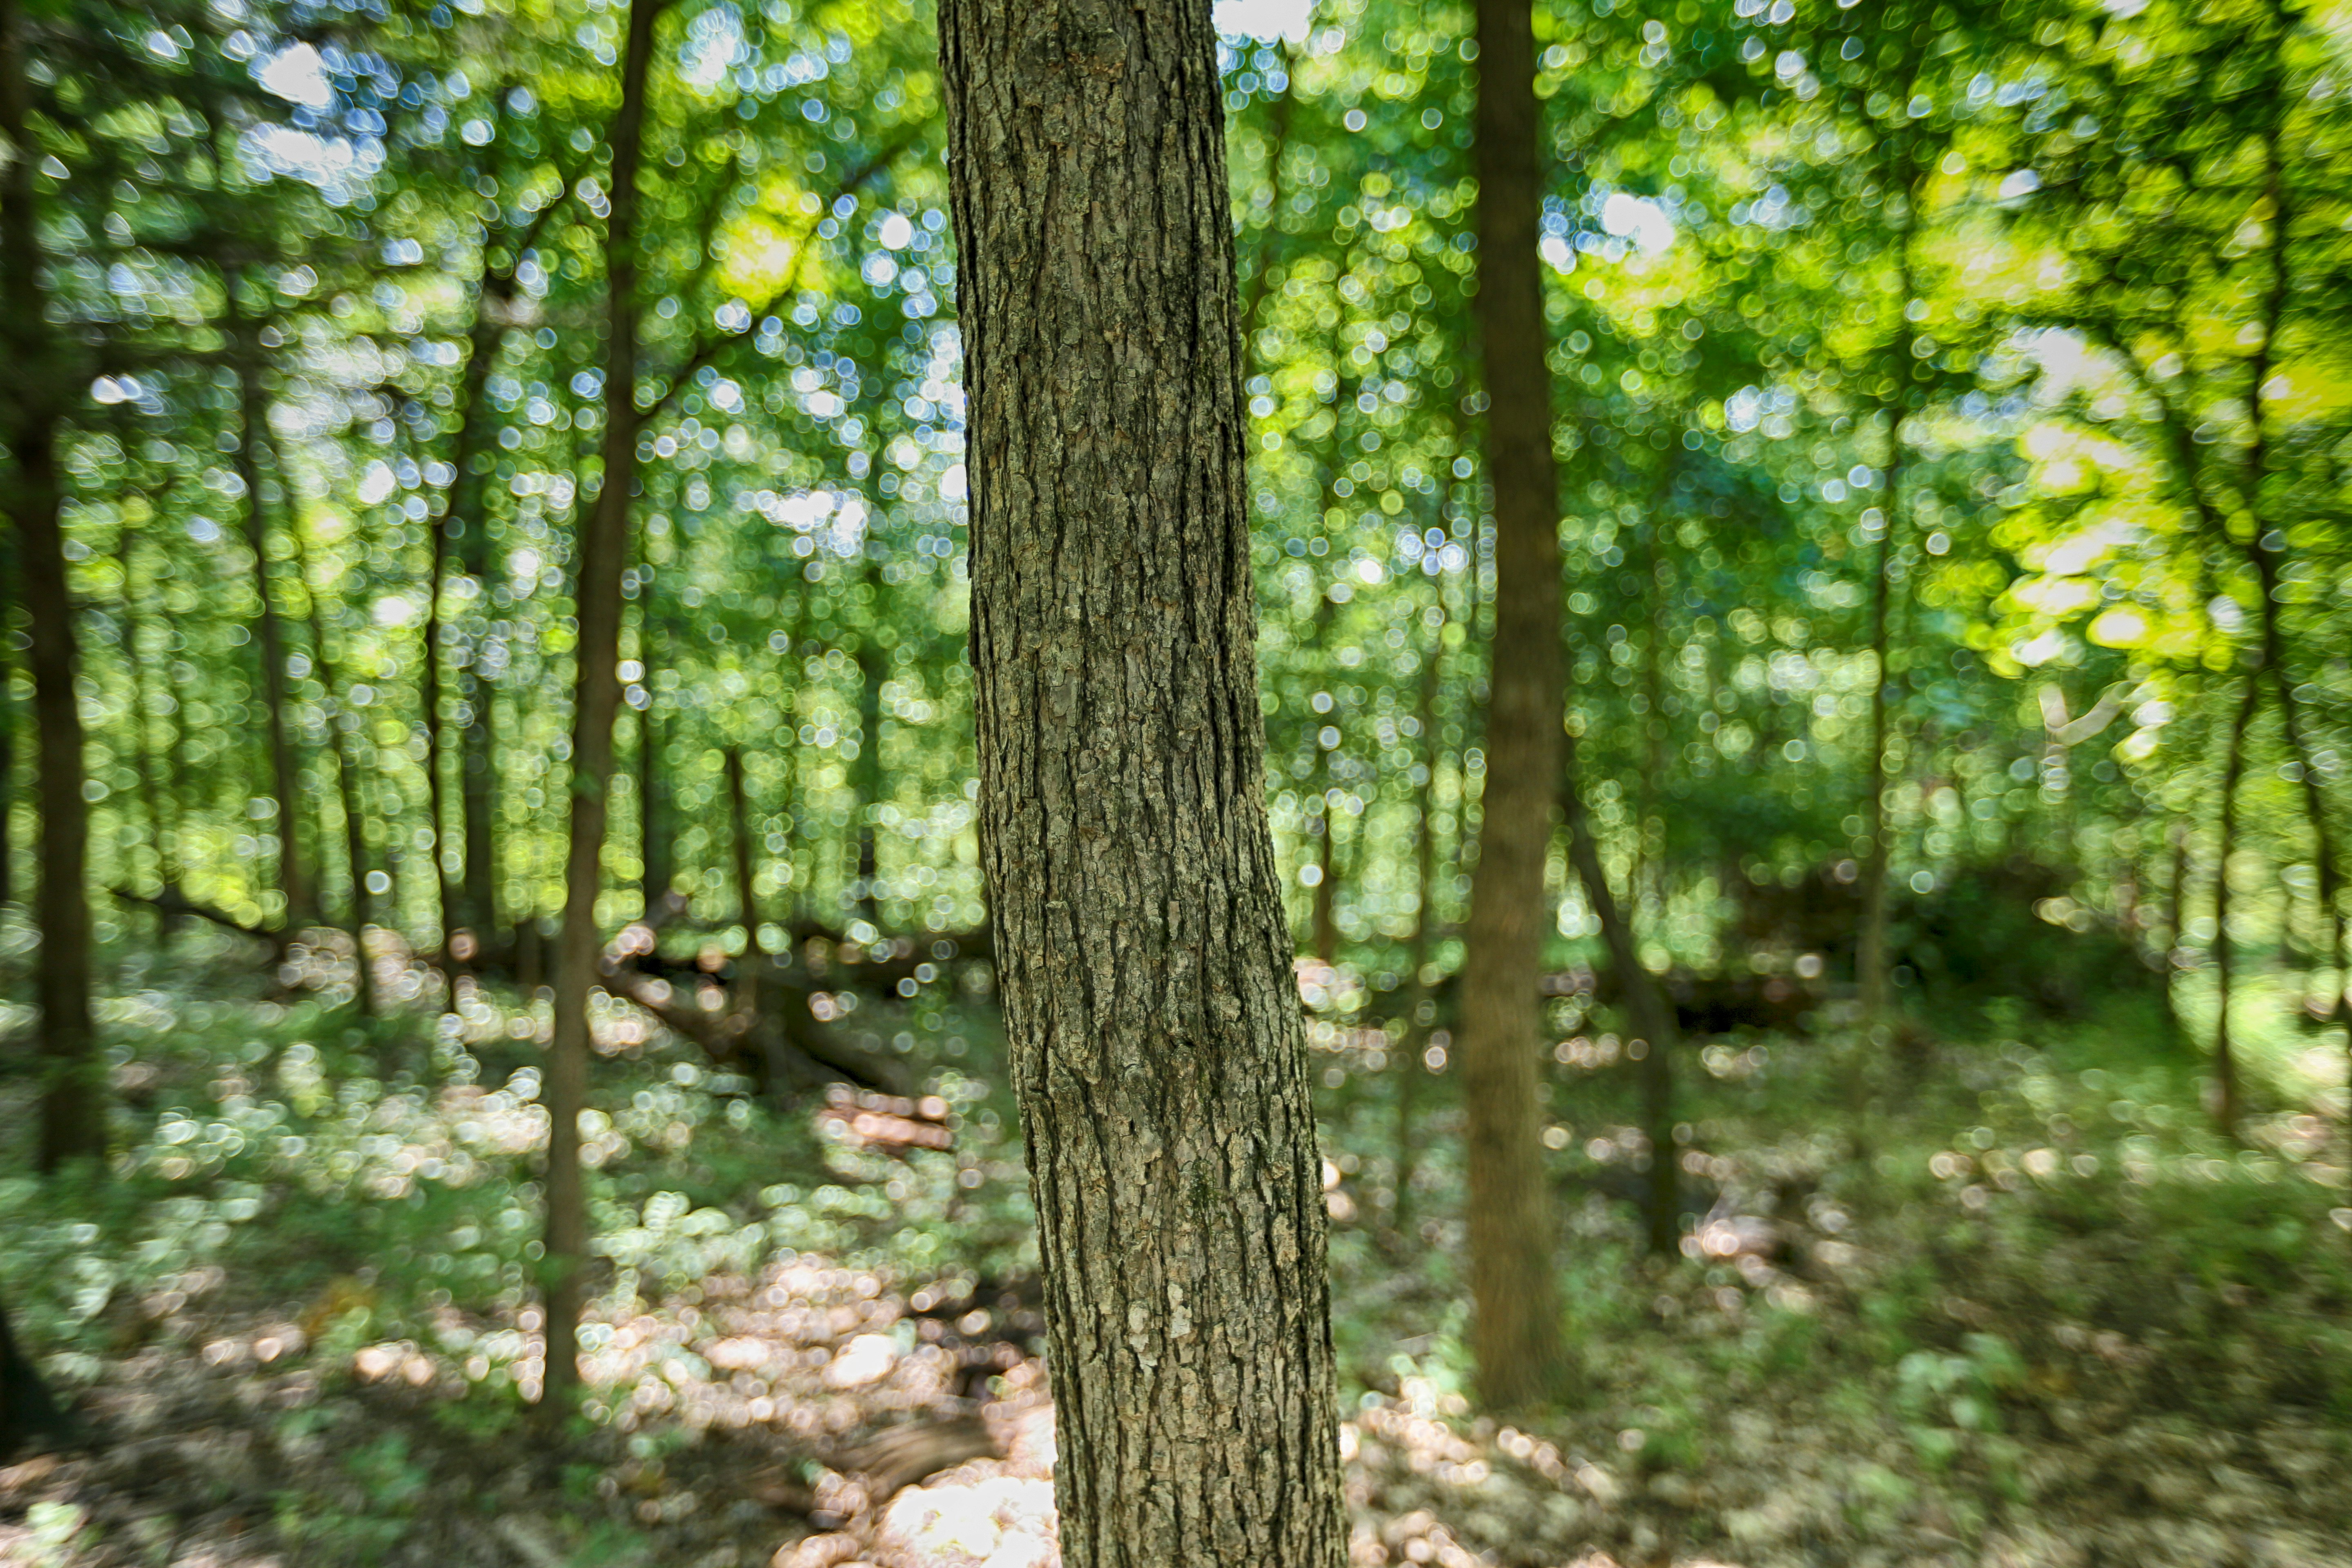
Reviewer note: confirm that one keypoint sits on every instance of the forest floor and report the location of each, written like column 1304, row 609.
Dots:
column 2050, row 1321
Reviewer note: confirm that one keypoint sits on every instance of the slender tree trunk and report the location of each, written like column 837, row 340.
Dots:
column 73, row 1096
column 873, row 669
column 1870, row 946
column 143, row 760
column 1515, row 1332
column 657, row 851
column 344, row 742
column 2266, row 553
column 2233, row 770
column 466, row 526
column 253, row 410
column 1652, row 1019
column 660, row 867
column 1152, row 1021
column 447, row 911
column 739, row 819
column 478, row 752
column 604, row 553
column 1323, row 933
column 1410, row 1065
column 8, row 570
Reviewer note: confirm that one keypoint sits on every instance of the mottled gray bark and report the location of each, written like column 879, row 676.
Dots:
column 1144, row 962
column 1515, row 1334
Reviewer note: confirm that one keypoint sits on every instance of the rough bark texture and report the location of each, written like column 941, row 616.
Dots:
column 604, row 551
column 1515, row 1334
column 73, row 1102
column 1145, row 966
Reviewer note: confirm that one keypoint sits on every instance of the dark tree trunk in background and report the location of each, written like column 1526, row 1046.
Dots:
column 477, row 751
column 472, row 902
column 436, row 749
column 656, row 850
column 1870, row 945
column 1651, row 1020
column 142, row 757
column 1515, row 1334
column 873, row 669
column 1412, row 1065
column 1152, row 1020
column 7, row 719
column 2233, row 770
column 344, row 742
column 603, row 554
column 30, row 1416
column 253, row 412
column 73, row 1096
column 747, row 902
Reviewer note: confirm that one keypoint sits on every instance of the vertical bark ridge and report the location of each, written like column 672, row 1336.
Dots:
column 1144, row 955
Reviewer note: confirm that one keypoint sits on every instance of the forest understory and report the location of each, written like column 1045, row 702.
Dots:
column 2045, row 1318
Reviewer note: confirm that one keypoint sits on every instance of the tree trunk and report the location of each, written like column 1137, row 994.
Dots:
column 1145, row 964
column 657, row 856
column 2233, row 770
column 73, row 1098
column 1870, row 944
column 739, row 819
column 654, row 844
column 1411, row 1063
column 253, row 409
column 873, row 668
column 30, row 1416
column 2265, row 554
column 473, row 902
column 1651, row 1020
column 447, row 910
column 7, row 723
column 143, row 760
column 1514, row 1336
column 344, row 743
column 597, row 697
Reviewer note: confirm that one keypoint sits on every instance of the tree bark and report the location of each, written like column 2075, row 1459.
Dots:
column 1515, row 1334
column 143, row 760
column 73, row 1099
column 2233, row 770
column 1143, row 956
column 253, row 410
column 1412, row 1066
column 7, row 723
column 1870, row 944
column 739, row 819
column 655, row 851
column 344, row 742
column 473, row 902
column 30, row 1416
column 597, row 697
column 1651, row 1020
column 873, row 669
